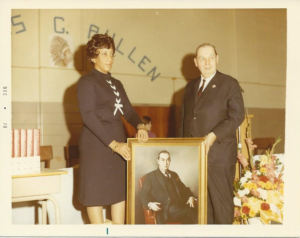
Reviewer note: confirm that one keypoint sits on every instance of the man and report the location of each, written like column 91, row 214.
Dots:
column 163, row 192
column 213, row 108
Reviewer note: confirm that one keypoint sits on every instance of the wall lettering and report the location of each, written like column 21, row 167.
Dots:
column 92, row 29
column 117, row 49
column 55, row 29
column 18, row 23
column 113, row 36
column 154, row 70
column 129, row 56
column 95, row 30
column 143, row 62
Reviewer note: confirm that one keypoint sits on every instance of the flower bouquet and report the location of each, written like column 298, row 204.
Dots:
column 259, row 192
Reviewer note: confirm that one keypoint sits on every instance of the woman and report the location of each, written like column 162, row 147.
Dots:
column 102, row 102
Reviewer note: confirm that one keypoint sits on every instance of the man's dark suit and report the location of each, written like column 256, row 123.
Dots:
column 220, row 110
column 154, row 190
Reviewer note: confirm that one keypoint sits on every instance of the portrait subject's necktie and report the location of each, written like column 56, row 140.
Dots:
column 201, row 88
column 167, row 174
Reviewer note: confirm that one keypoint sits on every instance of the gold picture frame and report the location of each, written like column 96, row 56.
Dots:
column 144, row 157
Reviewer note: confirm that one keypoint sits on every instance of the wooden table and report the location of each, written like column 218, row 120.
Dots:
column 38, row 187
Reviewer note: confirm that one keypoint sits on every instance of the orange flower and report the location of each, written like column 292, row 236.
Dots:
column 263, row 179
column 245, row 210
column 265, row 206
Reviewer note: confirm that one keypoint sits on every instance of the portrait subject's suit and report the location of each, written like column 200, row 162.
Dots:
column 155, row 189
column 220, row 110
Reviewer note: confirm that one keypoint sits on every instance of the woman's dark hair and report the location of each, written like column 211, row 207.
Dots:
column 146, row 119
column 98, row 41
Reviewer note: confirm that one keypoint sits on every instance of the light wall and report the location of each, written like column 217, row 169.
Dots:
column 251, row 45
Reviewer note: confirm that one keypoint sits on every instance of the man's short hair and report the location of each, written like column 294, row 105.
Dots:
column 165, row 152
column 206, row 44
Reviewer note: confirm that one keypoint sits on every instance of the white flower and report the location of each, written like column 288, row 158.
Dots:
column 274, row 208
column 237, row 202
column 243, row 192
column 256, row 158
column 263, row 193
column 263, row 160
column 243, row 180
column 248, row 175
column 258, row 172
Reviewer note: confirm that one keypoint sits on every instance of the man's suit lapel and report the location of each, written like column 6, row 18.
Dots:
column 160, row 179
column 196, row 88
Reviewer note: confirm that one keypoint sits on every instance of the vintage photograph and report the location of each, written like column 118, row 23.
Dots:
column 126, row 120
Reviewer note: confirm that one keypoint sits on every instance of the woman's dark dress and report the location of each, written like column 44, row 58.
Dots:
column 102, row 175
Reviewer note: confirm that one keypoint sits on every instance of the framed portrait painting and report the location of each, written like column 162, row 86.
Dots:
column 185, row 163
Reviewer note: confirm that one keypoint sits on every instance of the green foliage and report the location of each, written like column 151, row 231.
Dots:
column 236, row 185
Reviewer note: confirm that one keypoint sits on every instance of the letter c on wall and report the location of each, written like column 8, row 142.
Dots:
column 63, row 29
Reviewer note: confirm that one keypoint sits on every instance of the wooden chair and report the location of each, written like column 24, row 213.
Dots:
column 46, row 155
column 72, row 155
column 150, row 216
column 263, row 144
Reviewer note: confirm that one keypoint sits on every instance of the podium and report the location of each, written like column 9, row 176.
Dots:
column 244, row 148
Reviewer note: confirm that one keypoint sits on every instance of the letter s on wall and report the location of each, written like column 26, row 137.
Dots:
column 19, row 23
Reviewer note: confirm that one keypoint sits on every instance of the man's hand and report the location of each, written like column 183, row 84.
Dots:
column 209, row 140
column 154, row 206
column 191, row 202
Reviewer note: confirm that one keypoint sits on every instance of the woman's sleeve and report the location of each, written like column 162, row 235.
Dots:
column 87, row 104
column 130, row 114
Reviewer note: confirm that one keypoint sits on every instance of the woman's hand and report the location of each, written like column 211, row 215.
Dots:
column 121, row 148
column 142, row 133
column 124, row 151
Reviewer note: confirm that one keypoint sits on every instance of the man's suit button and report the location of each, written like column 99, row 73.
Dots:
column 168, row 198
column 195, row 118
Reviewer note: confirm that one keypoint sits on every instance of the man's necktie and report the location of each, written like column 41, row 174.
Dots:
column 201, row 88
column 167, row 174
